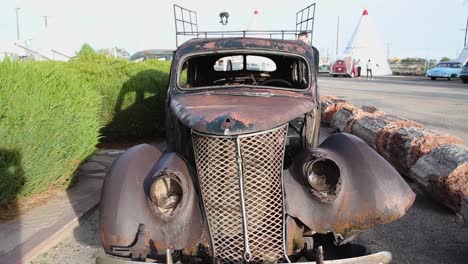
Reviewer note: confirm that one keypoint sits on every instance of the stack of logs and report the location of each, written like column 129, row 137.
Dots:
column 437, row 162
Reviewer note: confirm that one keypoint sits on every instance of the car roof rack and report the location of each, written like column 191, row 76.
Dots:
column 186, row 24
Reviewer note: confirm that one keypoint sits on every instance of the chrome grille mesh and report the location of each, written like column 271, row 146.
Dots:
column 262, row 160
column 219, row 181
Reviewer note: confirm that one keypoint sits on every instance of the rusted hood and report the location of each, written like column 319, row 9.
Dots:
column 227, row 113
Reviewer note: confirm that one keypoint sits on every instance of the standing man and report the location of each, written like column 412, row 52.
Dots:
column 359, row 68
column 369, row 69
column 304, row 37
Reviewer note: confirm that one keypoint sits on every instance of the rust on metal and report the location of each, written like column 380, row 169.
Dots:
column 197, row 45
column 124, row 198
column 239, row 113
column 365, row 199
column 238, row 154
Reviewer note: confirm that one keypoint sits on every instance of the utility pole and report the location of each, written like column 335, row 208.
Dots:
column 466, row 32
column 45, row 21
column 388, row 50
column 337, row 35
column 17, row 24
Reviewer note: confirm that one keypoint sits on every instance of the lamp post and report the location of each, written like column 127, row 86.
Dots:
column 466, row 33
column 45, row 21
column 337, row 35
column 17, row 24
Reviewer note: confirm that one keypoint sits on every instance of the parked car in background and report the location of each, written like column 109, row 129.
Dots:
column 155, row 54
column 464, row 73
column 448, row 69
column 344, row 68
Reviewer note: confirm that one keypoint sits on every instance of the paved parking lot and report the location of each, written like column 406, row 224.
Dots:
column 441, row 105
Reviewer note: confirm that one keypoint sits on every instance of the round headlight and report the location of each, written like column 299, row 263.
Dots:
column 166, row 194
column 322, row 174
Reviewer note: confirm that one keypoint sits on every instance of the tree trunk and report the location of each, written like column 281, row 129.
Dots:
column 437, row 162
column 443, row 175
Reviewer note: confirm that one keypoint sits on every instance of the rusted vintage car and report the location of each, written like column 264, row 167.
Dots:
column 243, row 179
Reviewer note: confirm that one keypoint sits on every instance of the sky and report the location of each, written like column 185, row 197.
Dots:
column 408, row 28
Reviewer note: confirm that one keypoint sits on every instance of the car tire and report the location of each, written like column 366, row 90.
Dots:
column 464, row 80
column 334, row 75
column 433, row 78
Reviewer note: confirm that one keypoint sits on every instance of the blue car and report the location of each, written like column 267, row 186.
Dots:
column 447, row 69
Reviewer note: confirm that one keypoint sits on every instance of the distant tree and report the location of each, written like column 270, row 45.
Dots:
column 122, row 53
column 86, row 51
column 445, row 59
column 413, row 61
column 119, row 52
column 394, row 60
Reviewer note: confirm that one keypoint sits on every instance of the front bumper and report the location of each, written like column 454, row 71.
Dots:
column 383, row 257
column 438, row 75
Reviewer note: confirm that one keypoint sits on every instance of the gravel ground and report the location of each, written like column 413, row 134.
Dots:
column 81, row 246
column 427, row 234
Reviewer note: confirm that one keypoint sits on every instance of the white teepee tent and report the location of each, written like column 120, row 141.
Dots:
column 256, row 22
column 463, row 57
column 365, row 45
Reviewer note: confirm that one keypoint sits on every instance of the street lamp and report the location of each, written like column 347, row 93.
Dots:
column 224, row 18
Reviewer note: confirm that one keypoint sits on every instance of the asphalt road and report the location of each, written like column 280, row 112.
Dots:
column 427, row 234
column 441, row 105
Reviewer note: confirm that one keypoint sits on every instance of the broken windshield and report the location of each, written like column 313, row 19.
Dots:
column 222, row 70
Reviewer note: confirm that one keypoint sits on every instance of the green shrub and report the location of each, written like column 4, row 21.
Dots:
column 133, row 94
column 51, row 114
column 48, row 126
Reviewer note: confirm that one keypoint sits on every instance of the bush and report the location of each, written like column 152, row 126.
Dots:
column 48, row 126
column 133, row 94
column 51, row 114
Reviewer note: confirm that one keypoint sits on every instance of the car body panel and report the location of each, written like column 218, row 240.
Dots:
column 356, row 208
column 445, row 70
column 125, row 204
column 464, row 73
column 234, row 112
column 344, row 68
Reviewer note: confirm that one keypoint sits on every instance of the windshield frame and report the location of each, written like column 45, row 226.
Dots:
column 233, row 52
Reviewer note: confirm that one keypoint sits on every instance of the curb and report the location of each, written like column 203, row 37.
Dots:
column 41, row 228
column 436, row 161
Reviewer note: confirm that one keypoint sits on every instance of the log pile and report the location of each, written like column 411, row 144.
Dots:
column 437, row 162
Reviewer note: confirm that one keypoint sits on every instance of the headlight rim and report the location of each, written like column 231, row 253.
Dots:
column 180, row 179
column 328, row 195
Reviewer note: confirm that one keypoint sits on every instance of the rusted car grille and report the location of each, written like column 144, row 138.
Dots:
column 257, row 159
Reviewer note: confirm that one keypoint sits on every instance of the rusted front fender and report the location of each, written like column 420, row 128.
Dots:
column 371, row 192
column 125, row 205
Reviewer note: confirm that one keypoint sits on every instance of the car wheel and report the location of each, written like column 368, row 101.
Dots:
column 449, row 78
column 464, row 80
column 334, row 75
column 433, row 78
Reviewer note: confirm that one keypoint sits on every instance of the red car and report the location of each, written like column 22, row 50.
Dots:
column 344, row 68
